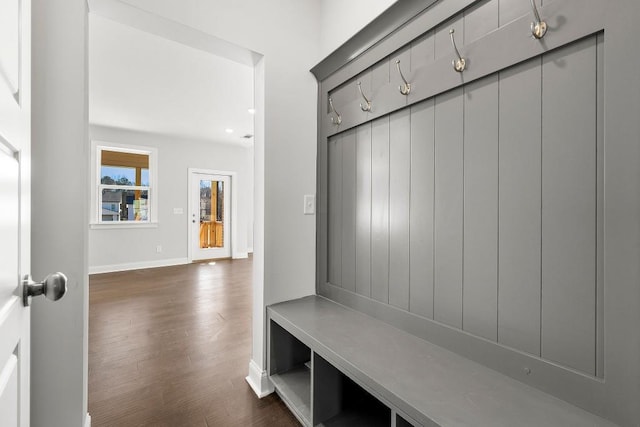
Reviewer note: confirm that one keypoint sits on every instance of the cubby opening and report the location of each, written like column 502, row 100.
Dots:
column 401, row 422
column 290, row 371
column 340, row 402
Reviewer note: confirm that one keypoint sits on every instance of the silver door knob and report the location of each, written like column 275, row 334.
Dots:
column 54, row 286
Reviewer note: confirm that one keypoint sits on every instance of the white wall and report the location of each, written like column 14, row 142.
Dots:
column 116, row 249
column 149, row 90
column 288, row 33
column 145, row 82
column 341, row 19
column 60, row 196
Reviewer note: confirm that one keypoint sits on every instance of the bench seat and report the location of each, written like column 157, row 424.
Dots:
column 427, row 384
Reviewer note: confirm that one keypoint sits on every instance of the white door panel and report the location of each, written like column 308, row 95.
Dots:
column 10, row 46
column 9, row 392
column 15, row 147
column 210, row 216
column 14, row 317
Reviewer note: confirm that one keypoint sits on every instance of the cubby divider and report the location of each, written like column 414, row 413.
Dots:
column 339, row 402
column 290, row 371
column 317, row 392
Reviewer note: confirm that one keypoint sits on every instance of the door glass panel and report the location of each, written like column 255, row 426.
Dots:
column 211, row 214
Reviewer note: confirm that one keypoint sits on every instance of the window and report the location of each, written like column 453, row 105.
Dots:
column 124, row 188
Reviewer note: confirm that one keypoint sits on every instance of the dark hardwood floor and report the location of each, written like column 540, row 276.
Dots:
column 171, row 347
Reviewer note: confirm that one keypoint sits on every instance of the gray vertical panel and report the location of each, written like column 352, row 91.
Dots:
column 383, row 97
column 421, row 222
column 480, row 20
column 322, row 231
column 380, row 210
column 510, row 10
column 519, row 194
column 442, row 42
column 344, row 94
column 399, row 192
column 448, row 208
column 404, row 56
column 349, row 210
column 600, row 208
column 327, row 390
column 380, row 74
column 363, row 210
column 480, row 298
column 335, row 211
column 568, row 205
column 422, row 51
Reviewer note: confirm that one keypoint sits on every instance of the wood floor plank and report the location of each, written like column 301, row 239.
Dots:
column 170, row 347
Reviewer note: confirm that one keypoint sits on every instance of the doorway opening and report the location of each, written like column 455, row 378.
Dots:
column 188, row 132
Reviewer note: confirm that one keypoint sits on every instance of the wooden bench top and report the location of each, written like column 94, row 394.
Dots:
column 427, row 382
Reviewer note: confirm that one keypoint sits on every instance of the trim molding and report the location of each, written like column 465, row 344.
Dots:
column 388, row 22
column 96, row 269
column 87, row 420
column 240, row 255
column 160, row 26
column 259, row 381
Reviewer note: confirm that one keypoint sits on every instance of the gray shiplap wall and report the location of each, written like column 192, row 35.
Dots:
column 478, row 208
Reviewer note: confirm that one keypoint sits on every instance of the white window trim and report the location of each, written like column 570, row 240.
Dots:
column 95, row 221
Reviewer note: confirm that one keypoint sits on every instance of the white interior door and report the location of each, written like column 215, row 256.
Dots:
column 210, row 216
column 15, row 147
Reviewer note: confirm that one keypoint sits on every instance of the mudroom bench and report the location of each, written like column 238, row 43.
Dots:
column 334, row 366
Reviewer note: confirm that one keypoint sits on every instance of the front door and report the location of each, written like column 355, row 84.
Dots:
column 210, row 216
column 15, row 154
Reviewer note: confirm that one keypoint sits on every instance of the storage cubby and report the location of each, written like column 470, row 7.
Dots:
column 401, row 422
column 290, row 371
column 340, row 402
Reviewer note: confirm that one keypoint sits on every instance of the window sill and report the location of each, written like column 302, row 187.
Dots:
column 118, row 224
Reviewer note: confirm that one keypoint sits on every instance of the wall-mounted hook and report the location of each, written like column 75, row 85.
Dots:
column 338, row 118
column 367, row 104
column 538, row 27
column 459, row 64
column 405, row 87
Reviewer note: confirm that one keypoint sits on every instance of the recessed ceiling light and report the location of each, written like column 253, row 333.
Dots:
column 228, row 130
column 251, row 110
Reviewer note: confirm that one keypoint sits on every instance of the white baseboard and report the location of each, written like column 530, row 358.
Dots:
column 250, row 250
column 240, row 255
column 87, row 420
column 137, row 265
column 258, row 380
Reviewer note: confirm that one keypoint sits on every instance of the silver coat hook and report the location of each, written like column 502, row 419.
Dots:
column 367, row 103
column 459, row 64
column 338, row 118
column 538, row 27
column 405, row 87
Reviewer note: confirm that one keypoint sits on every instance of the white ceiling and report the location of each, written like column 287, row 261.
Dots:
column 151, row 73
column 144, row 82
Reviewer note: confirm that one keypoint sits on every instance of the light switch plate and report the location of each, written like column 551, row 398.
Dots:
column 309, row 204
